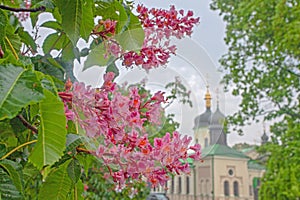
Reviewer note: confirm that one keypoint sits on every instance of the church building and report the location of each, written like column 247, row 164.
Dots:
column 224, row 173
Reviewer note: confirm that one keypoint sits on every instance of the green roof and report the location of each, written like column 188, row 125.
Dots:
column 252, row 164
column 222, row 150
column 247, row 149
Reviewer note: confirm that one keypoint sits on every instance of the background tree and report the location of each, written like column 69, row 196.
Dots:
column 262, row 66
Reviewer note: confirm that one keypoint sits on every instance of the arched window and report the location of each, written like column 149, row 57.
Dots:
column 236, row 188
column 207, row 187
column 205, row 142
column 226, row 188
column 201, row 187
column 166, row 186
column 187, row 185
column 179, row 185
column 172, row 185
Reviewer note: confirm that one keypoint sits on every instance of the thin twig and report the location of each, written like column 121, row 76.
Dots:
column 12, row 48
column 27, row 124
column 78, row 149
column 41, row 8
column 17, row 148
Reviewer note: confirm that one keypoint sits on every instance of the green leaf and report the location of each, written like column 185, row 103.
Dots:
column 3, row 24
column 74, row 170
column 19, row 88
column 73, row 140
column 52, row 132
column 77, row 191
column 49, row 66
column 86, row 161
column 57, row 185
column 8, row 190
column 71, row 12
column 113, row 68
column 26, row 38
column 132, row 35
column 122, row 18
column 87, row 19
column 68, row 51
column 53, row 41
column 29, row 172
column 13, row 39
column 52, row 25
column 132, row 39
column 2, row 149
column 11, row 168
column 96, row 57
column 56, row 13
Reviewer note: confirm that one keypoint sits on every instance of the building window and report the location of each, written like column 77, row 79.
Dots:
column 207, row 187
column 236, row 188
column 250, row 190
column 201, row 187
column 205, row 142
column 226, row 188
column 172, row 185
column 166, row 187
column 230, row 172
column 187, row 185
column 179, row 185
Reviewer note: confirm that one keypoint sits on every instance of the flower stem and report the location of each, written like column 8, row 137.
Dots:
column 12, row 48
column 17, row 148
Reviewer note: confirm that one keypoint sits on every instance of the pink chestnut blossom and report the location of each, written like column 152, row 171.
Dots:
column 117, row 120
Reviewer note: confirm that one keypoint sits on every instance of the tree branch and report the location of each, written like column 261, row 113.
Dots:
column 41, row 8
column 27, row 124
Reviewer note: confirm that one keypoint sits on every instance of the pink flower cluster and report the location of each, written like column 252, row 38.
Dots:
column 159, row 26
column 116, row 118
column 22, row 16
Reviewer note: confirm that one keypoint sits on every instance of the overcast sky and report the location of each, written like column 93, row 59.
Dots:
column 196, row 64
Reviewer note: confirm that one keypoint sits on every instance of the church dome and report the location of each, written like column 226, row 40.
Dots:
column 217, row 117
column 203, row 119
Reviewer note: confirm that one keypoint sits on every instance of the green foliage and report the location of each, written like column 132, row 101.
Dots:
column 19, row 88
column 7, row 189
column 3, row 24
column 52, row 133
column 71, row 13
column 96, row 57
column 57, row 184
column 131, row 39
column 74, row 170
column 13, row 170
column 87, row 19
column 262, row 60
column 281, row 180
column 263, row 65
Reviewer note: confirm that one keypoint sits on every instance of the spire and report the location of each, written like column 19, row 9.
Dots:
column 264, row 137
column 217, row 91
column 207, row 98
